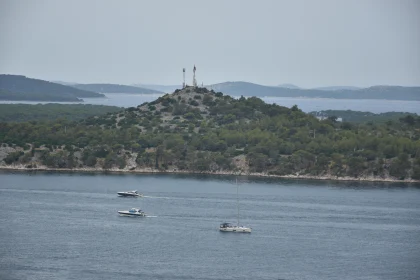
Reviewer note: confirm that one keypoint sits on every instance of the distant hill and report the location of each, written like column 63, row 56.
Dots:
column 338, row 88
column 161, row 88
column 63, row 83
column 114, row 88
column 250, row 89
column 375, row 92
column 16, row 87
column 288, row 86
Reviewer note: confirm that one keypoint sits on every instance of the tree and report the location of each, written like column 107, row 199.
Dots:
column 332, row 119
column 400, row 166
column 409, row 119
column 356, row 165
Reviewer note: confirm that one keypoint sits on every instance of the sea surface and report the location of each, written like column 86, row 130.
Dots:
column 66, row 226
column 305, row 104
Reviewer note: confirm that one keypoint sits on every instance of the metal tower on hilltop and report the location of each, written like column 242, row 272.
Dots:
column 194, row 80
column 183, row 72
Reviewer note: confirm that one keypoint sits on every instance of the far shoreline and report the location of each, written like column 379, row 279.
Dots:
column 223, row 173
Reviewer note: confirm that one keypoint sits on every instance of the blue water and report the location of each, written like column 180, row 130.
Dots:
column 65, row 226
column 305, row 104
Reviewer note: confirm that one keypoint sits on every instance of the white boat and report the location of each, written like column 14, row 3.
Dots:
column 232, row 228
column 228, row 227
column 130, row 194
column 133, row 212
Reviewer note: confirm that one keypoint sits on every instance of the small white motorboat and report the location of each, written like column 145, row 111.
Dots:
column 130, row 194
column 232, row 228
column 133, row 212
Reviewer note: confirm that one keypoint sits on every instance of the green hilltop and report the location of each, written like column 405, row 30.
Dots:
column 197, row 130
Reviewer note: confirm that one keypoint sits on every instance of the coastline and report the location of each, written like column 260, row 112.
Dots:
column 173, row 171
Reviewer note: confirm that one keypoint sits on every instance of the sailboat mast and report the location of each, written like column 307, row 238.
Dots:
column 237, row 198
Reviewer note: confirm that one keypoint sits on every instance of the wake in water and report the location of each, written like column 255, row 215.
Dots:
column 159, row 197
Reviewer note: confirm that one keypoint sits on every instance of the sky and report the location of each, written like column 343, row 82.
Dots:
column 302, row 42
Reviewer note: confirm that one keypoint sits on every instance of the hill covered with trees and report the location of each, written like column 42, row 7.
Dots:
column 113, row 88
column 363, row 117
column 51, row 112
column 15, row 87
column 197, row 130
column 375, row 92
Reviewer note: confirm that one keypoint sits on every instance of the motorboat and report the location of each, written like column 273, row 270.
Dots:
column 228, row 227
column 133, row 212
column 130, row 194
column 232, row 228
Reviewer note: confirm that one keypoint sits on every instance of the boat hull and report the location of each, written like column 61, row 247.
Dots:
column 125, row 194
column 129, row 195
column 236, row 229
column 126, row 214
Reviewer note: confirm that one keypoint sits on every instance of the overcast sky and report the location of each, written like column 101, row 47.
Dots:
column 307, row 43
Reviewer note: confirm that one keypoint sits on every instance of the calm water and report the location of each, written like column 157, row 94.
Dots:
column 65, row 226
column 305, row 104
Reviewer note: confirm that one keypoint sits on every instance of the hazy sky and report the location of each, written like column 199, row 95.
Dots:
column 307, row 43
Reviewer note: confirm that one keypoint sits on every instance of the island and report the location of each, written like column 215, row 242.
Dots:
column 21, row 88
column 374, row 92
column 197, row 130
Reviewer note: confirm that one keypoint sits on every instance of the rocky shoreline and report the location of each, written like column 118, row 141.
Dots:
column 174, row 171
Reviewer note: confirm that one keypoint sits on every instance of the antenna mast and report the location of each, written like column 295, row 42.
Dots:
column 183, row 73
column 194, row 80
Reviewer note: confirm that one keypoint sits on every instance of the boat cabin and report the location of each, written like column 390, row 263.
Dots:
column 225, row 225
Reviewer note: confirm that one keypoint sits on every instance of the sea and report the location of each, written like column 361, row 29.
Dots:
column 66, row 226
column 305, row 104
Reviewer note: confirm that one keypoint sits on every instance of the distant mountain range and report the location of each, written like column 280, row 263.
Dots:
column 63, row 83
column 114, row 88
column 16, row 87
column 375, row 92
column 288, row 86
column 338, row 88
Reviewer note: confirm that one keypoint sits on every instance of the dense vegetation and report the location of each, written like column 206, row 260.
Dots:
column 113, row 88
column 375, row 92
column 14, row 87
column 201, row 130
column 19, row 96
column 363, row 117
column 45, row 112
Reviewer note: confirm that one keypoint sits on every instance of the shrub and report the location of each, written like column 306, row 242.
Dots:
column 13, row 157
column 193, row 103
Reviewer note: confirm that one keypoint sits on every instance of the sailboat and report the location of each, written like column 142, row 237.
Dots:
column 228, row 227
